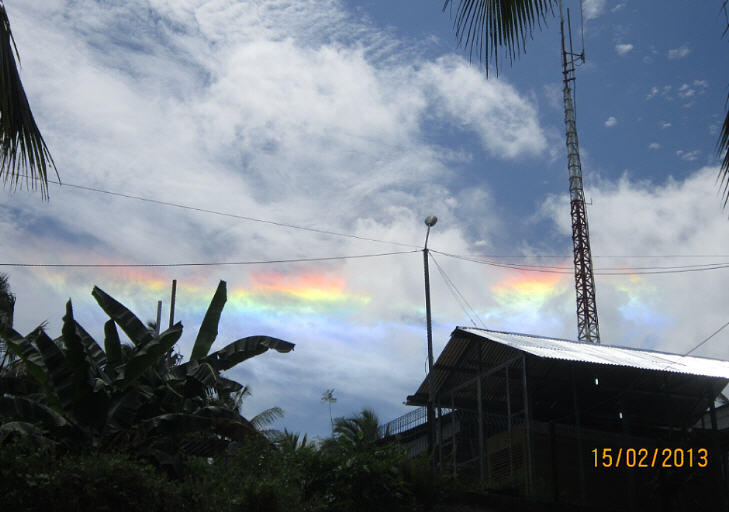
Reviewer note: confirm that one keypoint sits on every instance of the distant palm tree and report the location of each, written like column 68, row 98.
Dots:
column 7, row 303
column 486, row 26
column 328, row 396
column 24, row 155
column 7, row 307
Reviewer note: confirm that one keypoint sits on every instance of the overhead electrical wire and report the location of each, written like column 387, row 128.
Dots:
column 228, row 214
column 204, row 264
column 460, row 298
column 552, row 269
column 610, row 271
column 707, row 339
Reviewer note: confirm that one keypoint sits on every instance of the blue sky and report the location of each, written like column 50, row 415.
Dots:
column 363, row 118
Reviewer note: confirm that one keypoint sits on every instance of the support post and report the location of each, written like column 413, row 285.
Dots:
column 172, row 302
column 717, row 455
column 528, row 423
column 481, row 470
column 580, row 466
column 555, row 465
column 159, row 317
column 508, row 424
column 453, row 433
column 430, row 222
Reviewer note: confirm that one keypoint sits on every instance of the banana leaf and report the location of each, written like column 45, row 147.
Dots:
column 122, row 413
column 60, row 376
column 113, row 347
column 28, row 410
column 209, row 327
column 93, row 351
column 25, row 429
column 245, row 348
column 75, row 357
column 18, row 386
column 130, row 324
column 146, row 355
column 30, row 355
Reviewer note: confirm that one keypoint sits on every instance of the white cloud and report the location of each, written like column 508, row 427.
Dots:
column 679, row 53
column 664, row 125
column 593, row 8
column 654, row 145
column 611, row 121
column 652, row 94
column 623, row 49
column 506, row 122
column 670, row 312
column 293, row 111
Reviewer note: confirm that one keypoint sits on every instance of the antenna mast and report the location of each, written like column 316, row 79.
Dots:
column 587, row 326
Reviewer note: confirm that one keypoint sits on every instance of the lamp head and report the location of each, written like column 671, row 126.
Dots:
column 430, row 220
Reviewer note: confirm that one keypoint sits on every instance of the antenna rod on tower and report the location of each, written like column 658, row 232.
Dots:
column 587, row 324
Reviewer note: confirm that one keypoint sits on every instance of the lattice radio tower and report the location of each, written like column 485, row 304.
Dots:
column 587, row 326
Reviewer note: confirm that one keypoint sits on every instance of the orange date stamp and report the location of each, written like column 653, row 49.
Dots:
column 650, row 457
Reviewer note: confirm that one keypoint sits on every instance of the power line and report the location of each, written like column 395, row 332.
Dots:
column 609, row 271
column 376, row 240
column 707, row 339
column 227, row 214
column 205, row 264
column 457, row 294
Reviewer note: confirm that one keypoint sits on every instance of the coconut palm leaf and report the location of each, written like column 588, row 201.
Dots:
column 266, row 418
column 23, row 152
column 723, row 143
column 209, row 327
column 488, row 27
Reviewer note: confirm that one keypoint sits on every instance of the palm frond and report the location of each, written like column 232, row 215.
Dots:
column 23, row 152
column 485, row 26
column 723, row 143
column 267, row 417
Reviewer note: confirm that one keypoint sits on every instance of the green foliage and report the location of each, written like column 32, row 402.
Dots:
column 40, row 480
column 130, row 397
column 359, row 431
column 252, row 475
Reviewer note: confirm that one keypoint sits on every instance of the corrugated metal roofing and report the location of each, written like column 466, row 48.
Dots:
column 554, row 348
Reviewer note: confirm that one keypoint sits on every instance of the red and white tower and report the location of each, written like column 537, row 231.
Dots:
column 587, row 324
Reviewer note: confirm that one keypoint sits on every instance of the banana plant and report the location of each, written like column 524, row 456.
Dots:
column 128, row 396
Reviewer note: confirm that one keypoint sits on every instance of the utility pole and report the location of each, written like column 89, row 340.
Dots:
column 587, row 324
column 430, row 222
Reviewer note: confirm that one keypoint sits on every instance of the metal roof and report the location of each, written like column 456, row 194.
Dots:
column 554, row 348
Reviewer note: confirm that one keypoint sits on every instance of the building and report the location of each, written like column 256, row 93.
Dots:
column 574, row 422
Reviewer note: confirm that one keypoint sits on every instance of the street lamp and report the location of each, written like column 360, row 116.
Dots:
column 430, row 222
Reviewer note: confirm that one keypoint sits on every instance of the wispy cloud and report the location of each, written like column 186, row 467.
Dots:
column 689, row 156
column 679, row 53
column 611, row 121
column 654, row 145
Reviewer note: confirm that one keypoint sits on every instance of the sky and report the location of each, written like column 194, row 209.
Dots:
column 355, row 120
